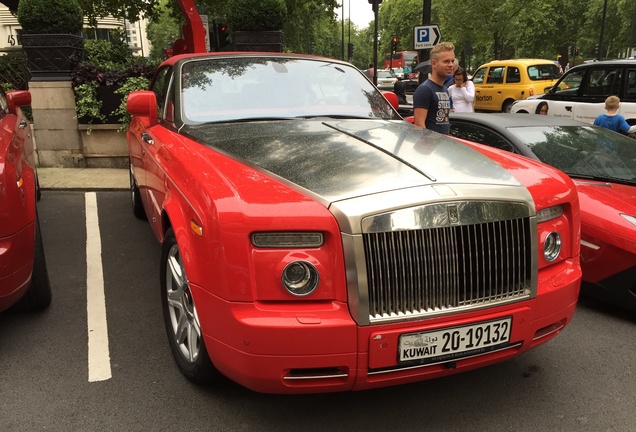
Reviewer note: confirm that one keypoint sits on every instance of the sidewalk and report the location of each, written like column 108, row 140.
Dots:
column 83, row 178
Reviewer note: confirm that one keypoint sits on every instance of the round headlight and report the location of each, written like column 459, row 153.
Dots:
column 300, row 278
column 552, row 246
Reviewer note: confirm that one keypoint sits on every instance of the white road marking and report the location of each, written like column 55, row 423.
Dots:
column 98, row 353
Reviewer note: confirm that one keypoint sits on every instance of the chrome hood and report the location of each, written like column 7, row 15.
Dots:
column 338, row 160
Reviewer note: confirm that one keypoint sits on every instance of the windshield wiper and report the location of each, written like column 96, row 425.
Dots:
column 245, row 120
column 339, row 116
column 601, row 178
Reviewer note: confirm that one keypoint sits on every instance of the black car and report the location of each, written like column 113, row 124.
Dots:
column 602, row 164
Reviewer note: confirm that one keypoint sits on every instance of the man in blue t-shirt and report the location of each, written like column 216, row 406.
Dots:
column 431, row 103
column 612, row 120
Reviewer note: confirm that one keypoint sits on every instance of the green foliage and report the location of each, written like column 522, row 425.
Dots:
column 87, row 104
column 131, row 10
column 108, row 54
column 50, row 16
column 256, row 15
column 163, row 30
column 131, row 84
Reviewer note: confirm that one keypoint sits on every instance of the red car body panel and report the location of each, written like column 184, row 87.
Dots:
column 17, row 201
column 609, row 240
column 257, row 334
column 260, row 338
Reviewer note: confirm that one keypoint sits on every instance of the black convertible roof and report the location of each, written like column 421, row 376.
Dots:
column 506, row 120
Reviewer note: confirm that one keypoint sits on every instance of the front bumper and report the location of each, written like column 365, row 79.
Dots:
column 312, row 348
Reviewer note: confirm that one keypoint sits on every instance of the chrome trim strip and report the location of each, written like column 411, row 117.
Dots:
column 399, row 369
column 406, row 316
column 590, row 245
column 312, row 377
column 438, row 215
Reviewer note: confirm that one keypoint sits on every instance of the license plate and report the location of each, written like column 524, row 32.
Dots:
column 456, row 342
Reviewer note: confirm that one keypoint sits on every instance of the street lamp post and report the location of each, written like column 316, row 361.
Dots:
column 374, row 5
column 599, row 55
column 631, row 34
column 426, row 20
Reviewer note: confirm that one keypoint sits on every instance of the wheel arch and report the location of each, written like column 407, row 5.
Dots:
column 507, row 103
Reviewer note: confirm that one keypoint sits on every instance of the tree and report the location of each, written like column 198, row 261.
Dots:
column 162, row 30
column 131, row 10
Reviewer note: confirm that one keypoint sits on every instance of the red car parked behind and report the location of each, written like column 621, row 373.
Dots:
column 23, row 275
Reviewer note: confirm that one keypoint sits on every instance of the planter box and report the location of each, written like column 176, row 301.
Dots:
column 51, row 57
column 268, row 41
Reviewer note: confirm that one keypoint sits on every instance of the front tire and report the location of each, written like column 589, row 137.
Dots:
column 180, row 316
column 507, row 106
column 39, row 295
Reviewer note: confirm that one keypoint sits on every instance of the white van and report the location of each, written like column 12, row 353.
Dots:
column 581, row 92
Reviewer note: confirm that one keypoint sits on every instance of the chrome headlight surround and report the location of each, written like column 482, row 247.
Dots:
column 552, row 246
column 300, row 278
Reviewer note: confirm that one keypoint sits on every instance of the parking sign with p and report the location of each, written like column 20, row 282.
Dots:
column 426, row 36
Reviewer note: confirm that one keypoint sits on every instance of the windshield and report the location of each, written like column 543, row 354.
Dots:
column 242, row 88
column 582, row 151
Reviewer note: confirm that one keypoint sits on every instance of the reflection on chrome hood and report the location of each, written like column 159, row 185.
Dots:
column 342, row 159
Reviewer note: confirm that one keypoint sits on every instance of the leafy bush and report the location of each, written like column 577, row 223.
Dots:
column 105, row 68
column 50, row 16
column 131, row 84
column 87, row 104
column 256, row 15
column 108, row 53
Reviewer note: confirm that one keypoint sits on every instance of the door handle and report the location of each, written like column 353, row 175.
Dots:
column 147, row 139
column 23, row 124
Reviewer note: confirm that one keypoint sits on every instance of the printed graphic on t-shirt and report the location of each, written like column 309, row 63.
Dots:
column 444, row 106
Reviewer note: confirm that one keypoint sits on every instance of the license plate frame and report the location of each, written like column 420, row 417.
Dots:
column 451, row 343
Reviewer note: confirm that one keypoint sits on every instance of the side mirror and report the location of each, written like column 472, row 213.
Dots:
column 143, row 103
column 392, row 99
column 18, row 98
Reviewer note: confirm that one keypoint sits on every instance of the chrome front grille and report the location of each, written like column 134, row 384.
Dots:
column 448, row 268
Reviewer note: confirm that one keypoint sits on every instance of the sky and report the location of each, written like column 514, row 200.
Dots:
column 361, row 12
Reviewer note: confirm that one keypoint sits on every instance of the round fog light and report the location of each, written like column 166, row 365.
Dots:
column 552, row 246
column 300, row 278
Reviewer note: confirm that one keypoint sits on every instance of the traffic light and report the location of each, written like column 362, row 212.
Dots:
column 222, row 35
column 312, row 46
column 394, row 44
column 350, row 50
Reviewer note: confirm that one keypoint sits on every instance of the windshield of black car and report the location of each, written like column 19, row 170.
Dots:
column 226, row 89
column 582, row 151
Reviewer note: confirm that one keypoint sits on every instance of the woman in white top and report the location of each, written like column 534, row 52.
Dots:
column 462, row 92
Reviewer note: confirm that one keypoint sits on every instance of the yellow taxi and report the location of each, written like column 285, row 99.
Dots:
column 501, row 82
